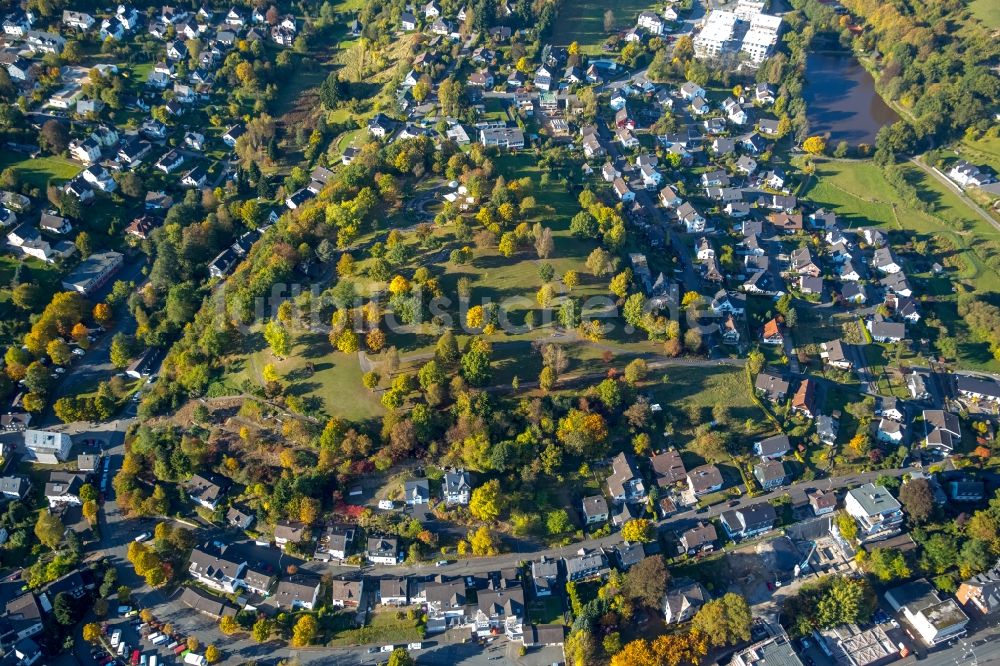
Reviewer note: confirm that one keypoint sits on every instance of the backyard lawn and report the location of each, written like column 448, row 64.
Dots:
column 38, row 172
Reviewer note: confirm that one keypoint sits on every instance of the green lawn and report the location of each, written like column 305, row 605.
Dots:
column 985, row 150
column 987, row 11
column 38, row 172
column 335, row 376
column 582, row 21
column 383, row 628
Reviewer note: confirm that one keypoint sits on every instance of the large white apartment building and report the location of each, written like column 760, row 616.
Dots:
column 745, row 30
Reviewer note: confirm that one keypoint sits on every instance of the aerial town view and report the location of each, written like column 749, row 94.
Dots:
column 513, row 332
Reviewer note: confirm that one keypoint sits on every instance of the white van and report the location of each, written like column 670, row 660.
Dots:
column 116, row 638
column 159, row 639
column 415, row 646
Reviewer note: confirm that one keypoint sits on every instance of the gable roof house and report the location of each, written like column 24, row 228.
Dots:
column 211, row 566
column 297, row 592
column 704, row 479
column 668, row 468
column 804, row 400
column 771, row 386
column 981, row 591
column 682, row 600
column 500, row 610
column 941, row 431
column 346, row 593
column 286, row 532
column 770, row 474
column 63, row 488
column 885, row 331
column 544, row 576
column 625, row 484
column 771, row 334
column 205, row 491
column 835, row 354
column 446, row 601
column 772, row 448
column 456, row 487
column 383, row 550
column 394, row 591
column 699, row 539
column 748, row 521
column 586, row 564
column 822, row 502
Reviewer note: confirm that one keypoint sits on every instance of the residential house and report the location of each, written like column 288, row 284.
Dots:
column 885, row 331
column 211, row 566
column 772, row 333
column 771, row 474
column 876, row 512
column 500, row 611
column 804, row 400
column 456, row 487
column 63, row 489
column 625, row 483
column 967, row 175
column 446, row 603
column 772, row 448
column 394, row 591
column 346, row 593
column 383, row 550
column 595, row 509
column 704, row 479
column 771, row 386
column 544, row 576
column 917, row 384
column 298, row 592
column 286, row 532
column 240, row 517
column 890, row 431
column 692, row 219
column 885, row 261
column 622, row 190
column 822, row 502
column 981, row 591
column 46, row 446
column 417, row 491
column 334, row 543
column 586, row 564
column 835, row 353
column 699, row 539
column 748, row 521
column 977, row 389
column 24, row 618
column 682, row 600
column 942, row 431
column 14, row 487
column 827, row 428
column 208, row 492
column 668, row 468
